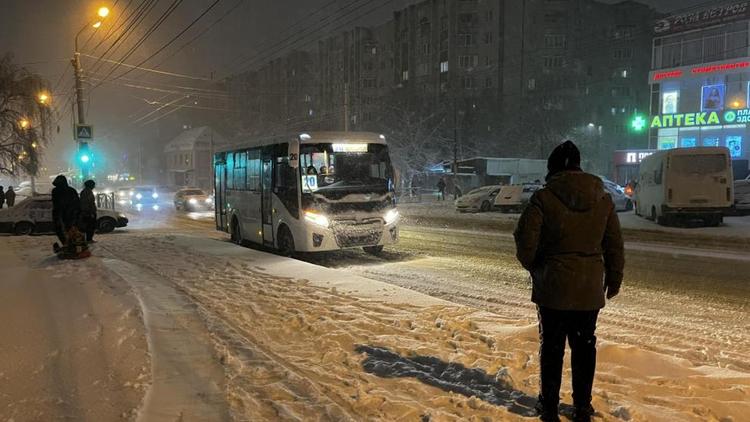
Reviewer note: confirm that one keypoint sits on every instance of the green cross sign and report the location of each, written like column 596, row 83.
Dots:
column 638, row 123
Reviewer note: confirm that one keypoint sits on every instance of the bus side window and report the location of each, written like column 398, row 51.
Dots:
column 657, row 174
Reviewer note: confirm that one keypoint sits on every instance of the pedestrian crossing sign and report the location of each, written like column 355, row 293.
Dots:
column 84, row 132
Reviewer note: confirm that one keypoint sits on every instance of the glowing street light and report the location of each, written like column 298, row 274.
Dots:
column 103, row 12
column 24, row 123
column 43, row 98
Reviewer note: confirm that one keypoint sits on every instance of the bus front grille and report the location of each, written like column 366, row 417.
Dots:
column 352, row 235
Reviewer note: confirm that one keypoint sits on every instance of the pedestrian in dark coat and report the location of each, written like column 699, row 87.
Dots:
column 569, row 240
column 2, row 197
column 66, row 207
column 441, row 188
column 10, row 196
column 88, row 209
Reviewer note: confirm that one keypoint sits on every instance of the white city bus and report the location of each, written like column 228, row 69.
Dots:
column 311, row 192
column 693, row 183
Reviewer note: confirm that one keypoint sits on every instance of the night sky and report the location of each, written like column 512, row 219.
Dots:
column 40, row 34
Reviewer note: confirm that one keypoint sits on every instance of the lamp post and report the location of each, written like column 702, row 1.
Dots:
column 103, row 12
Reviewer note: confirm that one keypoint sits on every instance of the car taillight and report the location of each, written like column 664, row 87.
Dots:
column 669, row 194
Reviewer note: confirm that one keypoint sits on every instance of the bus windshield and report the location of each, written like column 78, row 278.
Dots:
column 355, row 168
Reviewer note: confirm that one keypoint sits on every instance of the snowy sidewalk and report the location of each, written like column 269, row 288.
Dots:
column 71, row 340
column 298, row 341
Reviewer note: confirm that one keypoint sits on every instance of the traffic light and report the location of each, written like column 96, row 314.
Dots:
column 84, row 154
column 638, row 123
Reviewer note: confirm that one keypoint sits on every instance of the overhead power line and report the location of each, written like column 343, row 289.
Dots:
column 196, row 20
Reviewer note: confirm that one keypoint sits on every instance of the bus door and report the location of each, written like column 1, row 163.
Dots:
column 267, row 201
column 220, row 183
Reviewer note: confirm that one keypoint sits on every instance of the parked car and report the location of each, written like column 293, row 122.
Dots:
column 34, row 215
column 622, row 201
column 478, row 200
column 742, row 196
column 514, row 198
column 192, row 199
column 24, row 189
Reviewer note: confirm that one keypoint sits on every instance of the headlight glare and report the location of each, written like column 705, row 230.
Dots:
column 391, row 216
column 192, row 201
column 138, row 196
column 317, row 218
column 154, row 195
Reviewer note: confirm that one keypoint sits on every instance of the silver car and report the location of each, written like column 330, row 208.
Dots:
column 34, row 215
column 192, row 199
column 478, row 200
column 622, row 201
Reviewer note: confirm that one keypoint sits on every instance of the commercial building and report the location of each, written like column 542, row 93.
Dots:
column 699, row 81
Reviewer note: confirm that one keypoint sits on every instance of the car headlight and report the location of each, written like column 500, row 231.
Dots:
column 130, row 193
column 138, row 196
column 154, row 195
column 209, row 200
column 391, row 216
column 192, row 201
column 317, row 218
column 120, row 194
column 155, row 208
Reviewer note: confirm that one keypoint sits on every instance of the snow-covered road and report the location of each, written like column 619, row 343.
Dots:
column 439, row 327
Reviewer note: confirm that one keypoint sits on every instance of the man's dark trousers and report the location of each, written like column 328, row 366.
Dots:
column 578, row 327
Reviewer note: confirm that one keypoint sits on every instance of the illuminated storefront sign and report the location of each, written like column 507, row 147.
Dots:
column 667, row 75
column 719, row 68
column 631, row 157
column 705, row 17
column 704, row 118
column 686, row 120
column 733, row 67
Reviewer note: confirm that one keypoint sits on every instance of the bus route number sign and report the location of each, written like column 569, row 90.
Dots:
column 310, row 183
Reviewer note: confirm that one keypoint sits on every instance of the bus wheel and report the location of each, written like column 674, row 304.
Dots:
column 236, row 232
column 285, row 242
column 373, row 250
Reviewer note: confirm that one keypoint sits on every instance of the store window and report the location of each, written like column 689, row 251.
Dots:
column 711, row 141
column 712, row 97
column 669, row 102
column 734, row 144
column 688, row 142
column 667, row 142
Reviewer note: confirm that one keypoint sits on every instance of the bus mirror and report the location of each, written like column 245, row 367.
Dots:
column 294, row 154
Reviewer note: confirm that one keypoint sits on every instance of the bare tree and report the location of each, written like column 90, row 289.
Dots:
column 25, row 119
column 415, row 136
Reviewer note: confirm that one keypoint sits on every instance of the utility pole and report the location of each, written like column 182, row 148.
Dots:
column 455, row 137
column 346, row 107
column 102, row 13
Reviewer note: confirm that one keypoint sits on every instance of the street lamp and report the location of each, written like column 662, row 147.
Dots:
column 102, row 13
column 24, row 123
column 43, row 98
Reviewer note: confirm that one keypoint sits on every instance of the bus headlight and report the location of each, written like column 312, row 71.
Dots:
column 317, row 218
column 138, row 196
column 155, row 195
column 391, row 216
